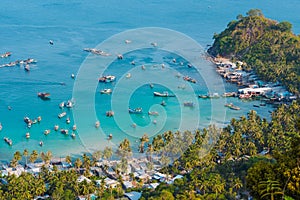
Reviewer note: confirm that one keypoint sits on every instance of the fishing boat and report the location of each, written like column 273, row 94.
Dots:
column 107, row 79
column 135, row 110
column 27, row 120
column 69, row 104
column 44, row 95
column 68, row 120
column 231, row 106
column 5, row 55
column 62, row 104
column 203, row 96
column 74, row 127
column 153, row 113
column 210, row 96
column 189, row 79
column 229, row 94
column 106, row 91
column 61, row 115
column 8, row 141
column 110, row 113
column 97, row 124
column 164, row 94
column 46, row 132
column 163, row 103
column 189, row 104
column 64, row 131
column 56, row 127
column 128, row 75
column 27, row 68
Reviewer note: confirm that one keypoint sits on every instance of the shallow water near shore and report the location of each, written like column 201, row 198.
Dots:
column 26, row 31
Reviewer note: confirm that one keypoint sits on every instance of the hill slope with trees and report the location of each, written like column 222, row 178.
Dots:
column 268, row 47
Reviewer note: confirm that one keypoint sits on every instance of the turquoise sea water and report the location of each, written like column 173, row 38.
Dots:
column 26, row 28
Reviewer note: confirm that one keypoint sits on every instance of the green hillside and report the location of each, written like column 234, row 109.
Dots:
column 268, row 47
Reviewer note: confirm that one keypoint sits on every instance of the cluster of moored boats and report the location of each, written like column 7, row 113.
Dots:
column 25, row 63
column 96, row 51
column 252, row 87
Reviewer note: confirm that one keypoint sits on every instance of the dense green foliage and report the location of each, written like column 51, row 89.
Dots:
column 234, row 165
column 266, row 46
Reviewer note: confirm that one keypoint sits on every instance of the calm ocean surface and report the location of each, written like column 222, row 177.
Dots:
column 26, row 28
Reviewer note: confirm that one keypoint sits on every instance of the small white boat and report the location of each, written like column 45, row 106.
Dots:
column 27, row 135
column 153, row 113
column 73, row 135
column 189, row 104
column 163, row 103
column 120, row 56
column 27, row 68
column 64, row 131
column 143, row 67
column 56, row 127
column 0, row 127
column 128, row 75
column 106, row 91
column 47, row 131
column 39, row 118
column 51, row 42
column 62, row 104
column 154, row 44
column 68, row 120
column 41, row 143
column 69, row 104
column 127, row 41
column 61, row 115
column 97, row 124
column 73, row 76
column 107, row 79
column 74, row 127
column 8, row 141
column 164, row 94
column 110, row 113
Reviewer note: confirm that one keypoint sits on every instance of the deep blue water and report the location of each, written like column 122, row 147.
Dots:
column 26, row 27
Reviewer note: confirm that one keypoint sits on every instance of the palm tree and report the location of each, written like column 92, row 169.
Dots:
column 150, row 151
column 96, row 156
column 78, row 163
column 144, row 139
column 168, row 136
column 158, row 143
column 124, row 149
column 25, row 153
column 46, row 157
column 107, row 153
column 237, row 184
column 68, row 159
column 33, row 156
column 269, row 189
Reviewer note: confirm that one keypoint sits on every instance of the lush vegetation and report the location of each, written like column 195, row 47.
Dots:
column 232, row 166
column 266, row 46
